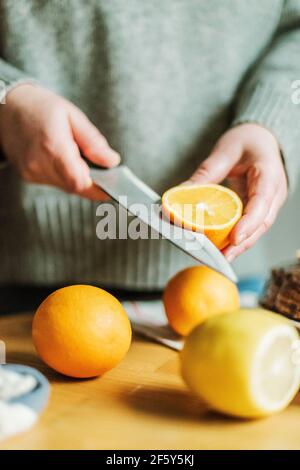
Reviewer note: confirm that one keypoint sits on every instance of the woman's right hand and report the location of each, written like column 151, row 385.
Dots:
column 42, row 135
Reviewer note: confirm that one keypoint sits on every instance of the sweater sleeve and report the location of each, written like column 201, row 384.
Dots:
column 10, row 77
column 270, row 96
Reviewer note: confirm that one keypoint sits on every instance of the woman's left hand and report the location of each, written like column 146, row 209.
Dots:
column 249, row 157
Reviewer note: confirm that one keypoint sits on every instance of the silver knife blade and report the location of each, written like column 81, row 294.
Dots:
column 122, row 185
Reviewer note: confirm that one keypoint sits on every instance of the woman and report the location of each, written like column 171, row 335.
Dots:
column 180, row 89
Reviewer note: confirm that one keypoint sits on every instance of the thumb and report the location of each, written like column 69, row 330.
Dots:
column 90, row 141
column 216, row 167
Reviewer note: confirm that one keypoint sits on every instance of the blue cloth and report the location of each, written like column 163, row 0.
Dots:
column 253, row 284
column 250, row 290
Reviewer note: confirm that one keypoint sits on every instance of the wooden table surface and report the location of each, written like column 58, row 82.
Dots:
column 141, row 404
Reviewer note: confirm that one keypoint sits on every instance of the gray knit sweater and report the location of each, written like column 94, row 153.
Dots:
column 162, row 79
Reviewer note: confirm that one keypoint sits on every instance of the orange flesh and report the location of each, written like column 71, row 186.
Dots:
column 206, row 205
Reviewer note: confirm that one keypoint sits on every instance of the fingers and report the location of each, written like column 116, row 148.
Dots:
column 62, row 163
column 46, row 174
column 75, row 173
column 219, row 164
column 90, row 141
column 94, row 193
column 71, row 167
column 262, row 187
column 231, row 252
column 65, row 158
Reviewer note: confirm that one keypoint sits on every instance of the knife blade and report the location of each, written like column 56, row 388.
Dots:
column 130, row 192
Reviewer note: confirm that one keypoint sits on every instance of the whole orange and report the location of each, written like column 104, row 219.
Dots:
column 195, row 294
column 81, row 331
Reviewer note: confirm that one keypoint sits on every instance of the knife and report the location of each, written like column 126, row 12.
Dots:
column 122, row 185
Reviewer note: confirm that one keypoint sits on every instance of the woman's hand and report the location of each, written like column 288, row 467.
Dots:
column 249, row 157
column 42, row 135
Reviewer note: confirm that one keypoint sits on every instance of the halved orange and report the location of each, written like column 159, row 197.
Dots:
column 211, row 209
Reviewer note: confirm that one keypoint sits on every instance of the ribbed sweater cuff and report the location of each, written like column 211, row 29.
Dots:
column 271, row 106
column 11, row 77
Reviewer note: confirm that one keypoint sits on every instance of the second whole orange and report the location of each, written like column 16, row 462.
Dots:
column 195, row 294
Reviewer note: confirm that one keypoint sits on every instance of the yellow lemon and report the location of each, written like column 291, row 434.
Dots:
column 243, row 365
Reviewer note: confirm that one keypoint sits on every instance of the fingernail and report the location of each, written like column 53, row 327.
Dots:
column 105, row 150
column 114, row 156
column 240, row 238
